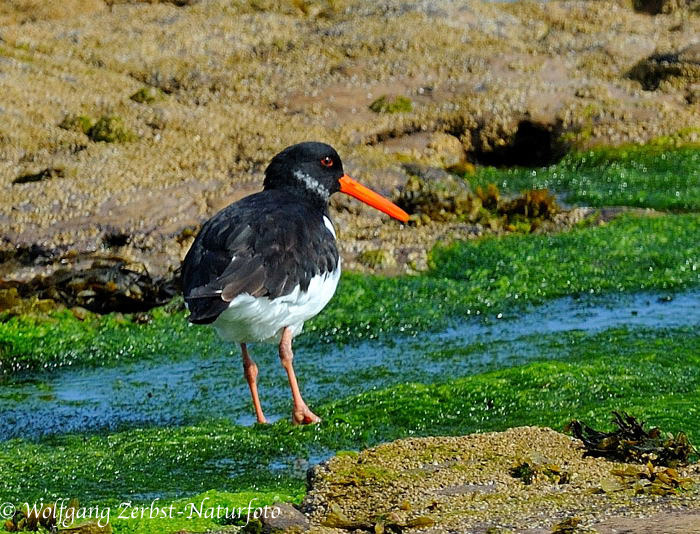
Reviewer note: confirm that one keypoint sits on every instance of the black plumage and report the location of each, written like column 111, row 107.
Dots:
column 264, row 245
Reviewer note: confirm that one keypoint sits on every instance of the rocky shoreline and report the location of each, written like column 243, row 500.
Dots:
column 127, row 146
column 475, row 484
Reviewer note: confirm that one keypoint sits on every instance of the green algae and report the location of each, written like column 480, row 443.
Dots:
column 496, row 275
column 388, row 104
column 376, row 258
column 655, row 176
column 107, row 129
column 147, row 95
column 484, row 277
column 173, row 463
column 110, row 129
column 77, row 123
column 60, row 338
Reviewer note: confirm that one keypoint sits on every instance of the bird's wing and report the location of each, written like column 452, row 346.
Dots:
column 257, row 248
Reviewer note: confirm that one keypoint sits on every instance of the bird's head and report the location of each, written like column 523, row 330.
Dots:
column 314, row 169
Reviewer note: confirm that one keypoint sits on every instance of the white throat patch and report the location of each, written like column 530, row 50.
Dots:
column 311, row 185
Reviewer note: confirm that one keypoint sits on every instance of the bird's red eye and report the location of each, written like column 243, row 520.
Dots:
column 327, row 161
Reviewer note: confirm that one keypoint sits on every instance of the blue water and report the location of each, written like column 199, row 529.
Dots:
column 196, row 388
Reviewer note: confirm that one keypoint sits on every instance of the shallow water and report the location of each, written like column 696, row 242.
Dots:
column 194, row 389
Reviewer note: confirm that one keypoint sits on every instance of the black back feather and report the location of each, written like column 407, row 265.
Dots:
column 264, row 245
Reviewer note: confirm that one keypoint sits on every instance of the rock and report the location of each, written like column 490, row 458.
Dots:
column 392, row 104
column 44, row 174
column 376, row 258
column 466, row 484
column 675, row 70
column 101, row 285
column 665, row 7
column 526, row 143
column 110, row 129
column 430, row 148
column 174, row 2
column 288, row 521
column 147, row 95
column 433, row 195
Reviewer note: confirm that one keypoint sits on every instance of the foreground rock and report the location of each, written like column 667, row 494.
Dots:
column 526, row 480
column 145, row 118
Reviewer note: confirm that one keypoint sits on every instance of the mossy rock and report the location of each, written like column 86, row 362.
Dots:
column 147, row 95
column 445, row 199
column 396, row 486
column 376, row 259
column 76, row 123
column 395, row 104
column 533, row 204
column 110, row 129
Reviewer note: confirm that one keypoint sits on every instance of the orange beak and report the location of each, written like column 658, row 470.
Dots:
column 366, row 195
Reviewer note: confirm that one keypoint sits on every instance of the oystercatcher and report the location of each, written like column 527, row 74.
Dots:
column 265, row 264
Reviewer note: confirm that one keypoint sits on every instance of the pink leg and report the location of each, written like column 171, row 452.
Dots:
column 300, row 412
column 251, row 375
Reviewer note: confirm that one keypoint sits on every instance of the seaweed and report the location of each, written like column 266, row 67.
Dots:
column 535, row 468
column 387, row 104
column 394, row 522
column 632, row 443
column 648, row 481
column 570, row 525
column 31, row 520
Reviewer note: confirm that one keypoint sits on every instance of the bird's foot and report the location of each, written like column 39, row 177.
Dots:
column 304, row 416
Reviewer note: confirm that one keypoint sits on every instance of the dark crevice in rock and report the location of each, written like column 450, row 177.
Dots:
column 115, row 239
column 532, row 145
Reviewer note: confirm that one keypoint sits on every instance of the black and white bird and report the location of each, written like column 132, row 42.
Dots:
column 265, row 264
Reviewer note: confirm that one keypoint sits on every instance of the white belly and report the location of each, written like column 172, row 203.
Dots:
column 248, row 319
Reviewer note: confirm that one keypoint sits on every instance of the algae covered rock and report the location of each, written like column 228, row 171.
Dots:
column 376, row 258
column 434, row 195
column 110, row 129
column 392, row 104
column 674, row 70
column 76, row 123
column 147, row 95
column 466, row 484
